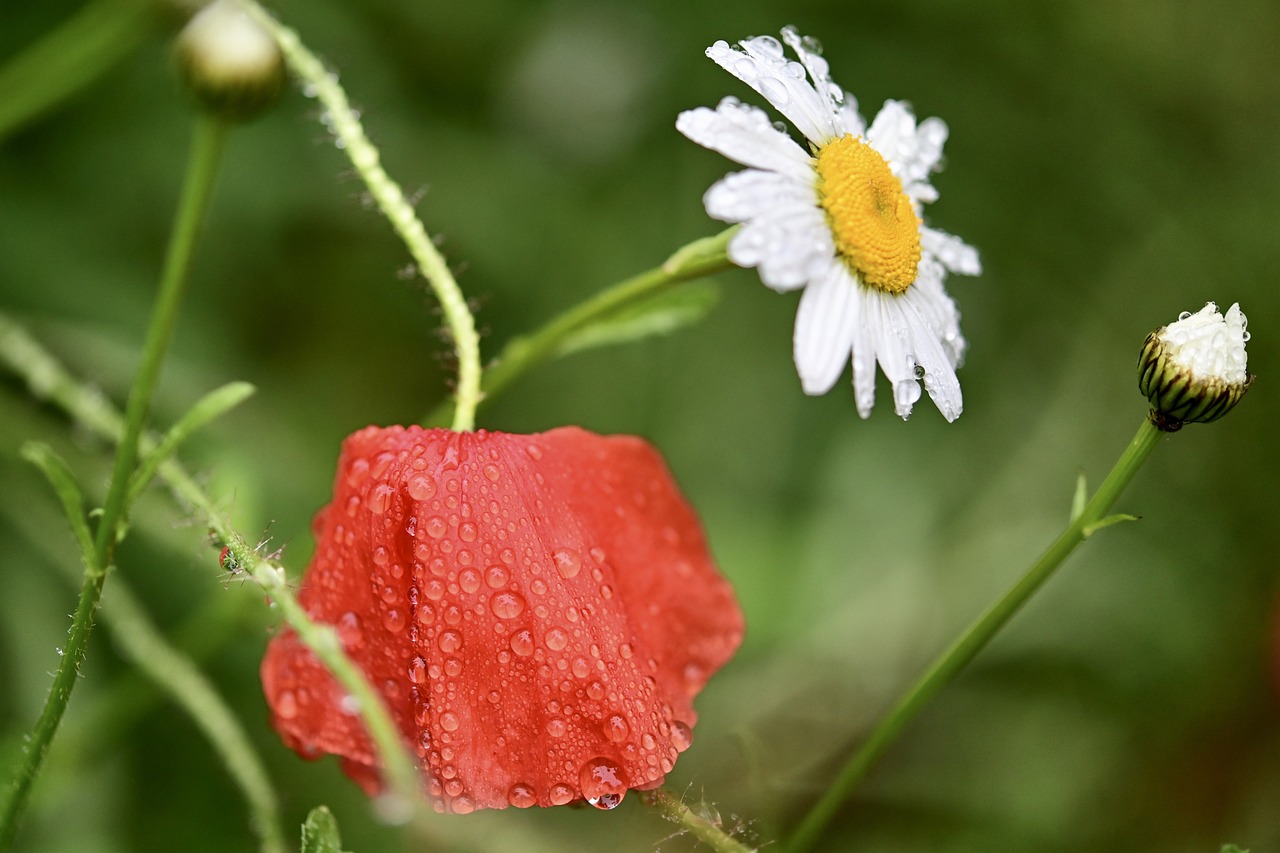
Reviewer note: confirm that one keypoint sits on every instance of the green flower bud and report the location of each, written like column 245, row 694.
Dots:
column 1195, row 370
column 230, row 62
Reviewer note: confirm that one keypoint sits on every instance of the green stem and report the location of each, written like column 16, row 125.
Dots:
column 972, row 641
column 49, row 380
column 704, row 829
column 202, row 167
column 703, row 257
column 343, row 122
column 70, row 57
column 178, row 676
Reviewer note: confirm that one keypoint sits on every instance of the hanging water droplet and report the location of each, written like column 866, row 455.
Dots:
column 681, row 735
column 522, row 796
column 603, row 783
column 559, row 794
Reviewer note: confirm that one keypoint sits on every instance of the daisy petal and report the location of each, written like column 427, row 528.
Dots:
column 864, row 356
column 891, row 339
column 789, row 245
column 825, row 324
column 954, row 253
column 938, row 309
column 939, row 374
column 744, row 195
column 844, row 107
column 761, row 65
column 744, row 134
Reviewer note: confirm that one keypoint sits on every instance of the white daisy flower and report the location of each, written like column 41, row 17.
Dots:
column 841, row 220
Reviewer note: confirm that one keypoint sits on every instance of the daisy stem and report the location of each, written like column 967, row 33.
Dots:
column 343, row 122
column 1091, row 518
column 49, row 381
column 702, row 257
column 704, row 829
column 202, row 167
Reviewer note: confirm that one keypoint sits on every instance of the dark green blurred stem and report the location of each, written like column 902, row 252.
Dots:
column 202, row 167
column 704, row 829
column 972, row 641
column 700, row 258
column 79, row 51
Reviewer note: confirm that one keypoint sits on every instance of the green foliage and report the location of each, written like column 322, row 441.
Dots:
column 320, row 832
column 660, row 314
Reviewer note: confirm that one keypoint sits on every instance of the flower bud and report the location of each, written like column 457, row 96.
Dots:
column 1195, row 370
column 230, row 62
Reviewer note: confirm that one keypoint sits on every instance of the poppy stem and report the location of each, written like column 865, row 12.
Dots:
column 705, row 829
column 1087, row 518
column 202, row 166
column 703, row 257
column 344, row 124
column 49, row 381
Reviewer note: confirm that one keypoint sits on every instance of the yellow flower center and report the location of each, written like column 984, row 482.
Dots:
column 876, row 230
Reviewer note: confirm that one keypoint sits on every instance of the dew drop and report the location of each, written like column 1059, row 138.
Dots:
column 506, row 605
column 449, row 721
column 418, row 670
column 393, row 621
column 421, row 487
column 450, row 641
column 603, row 783
column 616, row 728
column 681, row 735
column 380, row 556
column 436, row 527
column 426, row 614
column 625, row 651
column 557, row 639
column 522, row 643
column 535, row 452
column 357, row 472
column 380, row 498
column 462, row 805
column 469, row 580
column 556, row 727
column 568, row 564
column 467, row 532
column 492, row 473
column 559, row 794
column 496, row 577
column 580, row 668
column 349, row 631
column 522, row 796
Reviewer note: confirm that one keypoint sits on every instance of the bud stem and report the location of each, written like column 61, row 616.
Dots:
column 967, row 646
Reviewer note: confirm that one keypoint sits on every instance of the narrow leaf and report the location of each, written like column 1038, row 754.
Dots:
column 320, row 832
column 210, row 406
column 64, row 485
column 1090, row 529
column 1080, row 498
column 1231, row 848
column 658, row 315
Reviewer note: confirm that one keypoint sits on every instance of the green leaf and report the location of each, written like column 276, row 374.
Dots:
column 320, row 832
column 658, row 315
column 68, row 491
column 1090, row 529
column 1080, row 498
column 210, row 406
column 1231, row 848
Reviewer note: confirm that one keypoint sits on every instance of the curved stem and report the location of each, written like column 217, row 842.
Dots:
column 703, row 828
column 48, row 380
column 202, row 167
column 700, row 258
column 972, row 641
column 386, row 193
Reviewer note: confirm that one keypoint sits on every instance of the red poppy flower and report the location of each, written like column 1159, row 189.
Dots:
column 538, row 611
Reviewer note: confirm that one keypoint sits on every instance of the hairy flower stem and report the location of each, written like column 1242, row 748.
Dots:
column 704, row 829
column 343, row 122
column 202, row 167
column 703, row 257
column 1087, row 520
column 48, row 380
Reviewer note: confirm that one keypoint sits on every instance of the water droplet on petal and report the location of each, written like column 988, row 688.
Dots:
column 450, row 641
column 568, row 563
column 421, row 487
column 287, row 705
column 350, row 631
column 556, row 727
column 681, row 735
column 522, row 796
column 449, row 721
column 522, row 643
column 469, row 580
column 557, row 639
column 462, row 805
column 507, row 605
column 380, row 498
column 393, row 621
column 418, row 670
column 616, row 728
column 560, row 793
column 496, row 577
column 603, row 783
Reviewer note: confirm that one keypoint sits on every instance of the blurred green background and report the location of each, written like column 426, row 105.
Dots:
column 1114, row 163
